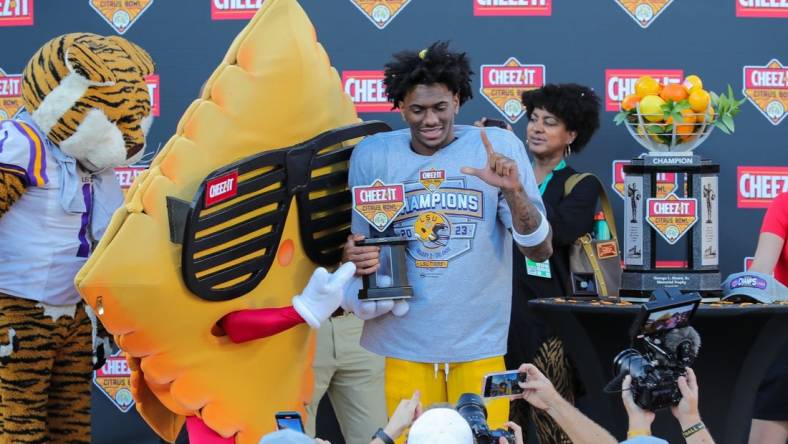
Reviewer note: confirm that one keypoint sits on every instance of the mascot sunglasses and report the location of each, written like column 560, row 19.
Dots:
column 216, row 264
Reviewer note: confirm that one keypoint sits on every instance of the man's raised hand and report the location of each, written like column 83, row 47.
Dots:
column 500, row 171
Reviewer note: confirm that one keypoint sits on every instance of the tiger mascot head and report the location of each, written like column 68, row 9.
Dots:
column 87, row 93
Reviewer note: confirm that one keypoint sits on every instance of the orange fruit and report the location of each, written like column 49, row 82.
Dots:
column 646, row 85
column 674, row 92
column 630, row 102
column 692, row 82
column 651, row 108
column 699, row 100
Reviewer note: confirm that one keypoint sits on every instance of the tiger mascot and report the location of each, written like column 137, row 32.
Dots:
column 86, row 110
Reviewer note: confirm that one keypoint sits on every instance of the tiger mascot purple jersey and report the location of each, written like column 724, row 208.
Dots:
column 86, row 111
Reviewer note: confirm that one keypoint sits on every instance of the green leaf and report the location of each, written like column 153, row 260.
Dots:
column 728, row 121
column 621, row 117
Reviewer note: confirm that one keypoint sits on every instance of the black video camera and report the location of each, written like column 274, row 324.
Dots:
column 471, row 407
column 663, row 346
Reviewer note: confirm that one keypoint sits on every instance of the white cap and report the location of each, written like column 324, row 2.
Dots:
column 440, row 426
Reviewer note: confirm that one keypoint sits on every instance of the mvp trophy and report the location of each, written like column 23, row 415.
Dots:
column 379, row 204
column 657, row 211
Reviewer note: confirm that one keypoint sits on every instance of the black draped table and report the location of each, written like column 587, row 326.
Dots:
column 738, row 343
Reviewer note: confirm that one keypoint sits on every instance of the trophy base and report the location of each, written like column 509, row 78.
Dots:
column 642, row 283
column 382, row 294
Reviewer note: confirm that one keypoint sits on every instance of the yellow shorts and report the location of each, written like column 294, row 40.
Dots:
column 437, row 385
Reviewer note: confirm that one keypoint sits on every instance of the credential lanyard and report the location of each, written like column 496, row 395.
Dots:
column 542, row 269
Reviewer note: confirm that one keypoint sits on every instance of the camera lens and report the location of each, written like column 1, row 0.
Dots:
column 631, row 362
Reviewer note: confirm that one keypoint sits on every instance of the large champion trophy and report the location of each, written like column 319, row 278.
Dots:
column 658, row 217
column 379, row 204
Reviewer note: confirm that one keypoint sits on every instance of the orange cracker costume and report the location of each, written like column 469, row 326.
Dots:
column 228, row 223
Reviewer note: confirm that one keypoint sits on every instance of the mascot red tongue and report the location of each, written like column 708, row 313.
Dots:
column 274, row 89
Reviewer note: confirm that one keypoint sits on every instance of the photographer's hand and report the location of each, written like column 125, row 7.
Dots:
column 639, row 420
column 407, row 411
column 538, row 390
column 518, row 434
column 687, row 412
column 540, row 393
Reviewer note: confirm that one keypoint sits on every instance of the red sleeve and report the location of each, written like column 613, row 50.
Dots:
column 776, row 219
column 246, row 325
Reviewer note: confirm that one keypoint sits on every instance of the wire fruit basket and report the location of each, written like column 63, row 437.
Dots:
column 658, row 135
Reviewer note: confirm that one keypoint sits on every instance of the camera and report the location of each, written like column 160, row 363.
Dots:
column 663, row 345
column 471, row 407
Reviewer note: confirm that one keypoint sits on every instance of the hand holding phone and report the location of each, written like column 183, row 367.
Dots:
column 289, row 420
column 503, row 384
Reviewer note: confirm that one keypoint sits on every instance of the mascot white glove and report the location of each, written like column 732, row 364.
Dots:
column 371, row 309
column 323, row 294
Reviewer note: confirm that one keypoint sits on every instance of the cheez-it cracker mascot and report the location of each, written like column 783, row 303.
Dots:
column 197, row 272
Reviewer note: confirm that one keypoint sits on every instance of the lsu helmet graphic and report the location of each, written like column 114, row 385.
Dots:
column 432, row 229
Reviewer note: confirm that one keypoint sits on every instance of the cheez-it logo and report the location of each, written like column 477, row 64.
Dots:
column 221, row 188
column 503, row 85
column 120, row 14
column 644, row 12
column 16, row 12
column 367, row 91
column 620, row 83
column 512, row 7
column 10, row 94
column 767, row 88
column 759, row 185
column 380, row 12
column 762, row 8
column 234, row 9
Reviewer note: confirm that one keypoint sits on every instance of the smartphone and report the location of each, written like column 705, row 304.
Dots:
column 495, row 122
column 502, row 384
column 289, row 420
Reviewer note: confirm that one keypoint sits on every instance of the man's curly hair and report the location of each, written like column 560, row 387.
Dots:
column 575, row 105
column 439, row 65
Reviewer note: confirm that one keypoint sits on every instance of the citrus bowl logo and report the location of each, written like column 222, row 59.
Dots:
column 666, row 182
column 767, row 88
column 367, row 91
column 432, row 179
column 762, row 8
column 10, row 94
column 620, row 83
column 379, row 203
column 672, row 216
column 153, row 91
column 503, row 85
column 16, row 12
column 120, row 14
column 234, row 9
column 759, row 185
column 644, row 12
column 380, row 12
column 512, row 7
column 113, row 379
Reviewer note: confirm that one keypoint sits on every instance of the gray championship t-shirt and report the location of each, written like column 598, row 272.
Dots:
column 459, row 255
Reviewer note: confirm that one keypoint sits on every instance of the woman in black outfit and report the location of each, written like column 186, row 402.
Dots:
column 562, row 119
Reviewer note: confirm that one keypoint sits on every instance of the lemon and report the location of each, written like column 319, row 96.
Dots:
column 651, row 108
column 699, row 100
column 646, row 85
column 692, row 83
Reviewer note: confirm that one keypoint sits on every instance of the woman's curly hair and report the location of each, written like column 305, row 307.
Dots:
column 434, row 65
column 575, row 105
